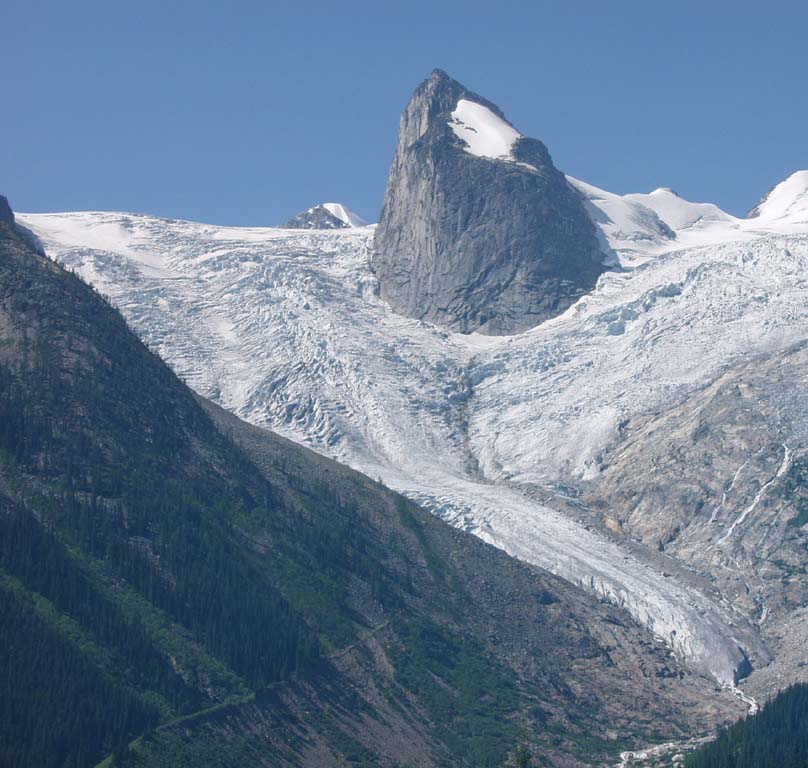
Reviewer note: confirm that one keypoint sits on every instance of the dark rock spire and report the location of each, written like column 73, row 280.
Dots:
column 495, row 244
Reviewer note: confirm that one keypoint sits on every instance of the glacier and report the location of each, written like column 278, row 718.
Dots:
column 493, row 434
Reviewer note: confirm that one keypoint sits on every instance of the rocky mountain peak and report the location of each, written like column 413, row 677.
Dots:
column 6, row 214
column 479, row 230
column 786, row 202
column 431, row 104
column 326, row 216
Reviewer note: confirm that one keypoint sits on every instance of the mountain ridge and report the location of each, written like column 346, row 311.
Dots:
column 343, row 396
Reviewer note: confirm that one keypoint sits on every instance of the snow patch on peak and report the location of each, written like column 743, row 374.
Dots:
column 787, row 202
column 484, row 133
column 345, row 214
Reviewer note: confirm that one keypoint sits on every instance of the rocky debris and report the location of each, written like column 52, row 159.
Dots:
column 520, row 612
column 479, row 231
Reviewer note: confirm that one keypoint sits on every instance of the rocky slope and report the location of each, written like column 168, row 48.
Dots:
column 6, row 214
column 479, row 231
column 720, row 482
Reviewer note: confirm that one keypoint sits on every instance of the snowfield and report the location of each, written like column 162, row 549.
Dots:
column 285, row 328
column 345, row 214
column 485, row 133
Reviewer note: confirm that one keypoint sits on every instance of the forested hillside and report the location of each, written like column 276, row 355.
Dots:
column 177, row 588
column 777, row 737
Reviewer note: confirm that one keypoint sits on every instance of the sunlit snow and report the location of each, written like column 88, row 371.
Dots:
column 345, row 214
column 486, row 134
column 787, row 203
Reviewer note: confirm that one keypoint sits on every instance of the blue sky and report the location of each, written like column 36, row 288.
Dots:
column 247, row 112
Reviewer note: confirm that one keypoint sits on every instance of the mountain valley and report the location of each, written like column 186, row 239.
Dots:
column 201, row 590
column 601, row 534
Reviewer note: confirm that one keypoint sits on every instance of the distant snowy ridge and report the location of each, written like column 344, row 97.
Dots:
column 678, row 213
column 343, row 213
column 638, row 226
column 786, row 203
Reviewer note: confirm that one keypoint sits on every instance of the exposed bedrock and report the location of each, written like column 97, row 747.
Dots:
column 479, row 231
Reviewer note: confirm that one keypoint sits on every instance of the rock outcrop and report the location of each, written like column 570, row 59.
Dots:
column 6, row 214
column 719, row 481
column 479, row 231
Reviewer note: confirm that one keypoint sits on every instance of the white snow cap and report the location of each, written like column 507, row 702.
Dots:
column 677, row 212
column 788, row 201
column 343, row 213
column 635, row 225
column 624, row 222
column 485, row 133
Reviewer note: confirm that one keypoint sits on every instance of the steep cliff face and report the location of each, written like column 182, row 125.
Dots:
column 6, row 214
column 479, row 231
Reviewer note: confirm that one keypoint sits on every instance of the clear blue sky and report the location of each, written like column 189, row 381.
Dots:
column 247, row 112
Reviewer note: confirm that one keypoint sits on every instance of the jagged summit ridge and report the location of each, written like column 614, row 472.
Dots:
column 479, row 230
column 436, row 96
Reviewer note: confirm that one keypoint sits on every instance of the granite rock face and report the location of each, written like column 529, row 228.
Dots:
column 6, row 214
column 479, row 231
